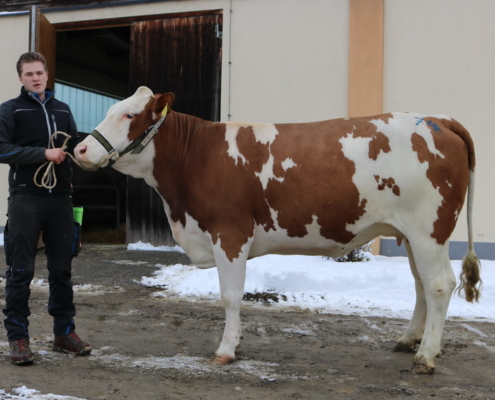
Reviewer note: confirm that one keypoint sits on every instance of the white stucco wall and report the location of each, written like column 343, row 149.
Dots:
column 440, row 58
column 16, row 29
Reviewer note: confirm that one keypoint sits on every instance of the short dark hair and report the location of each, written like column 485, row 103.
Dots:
column 30, row 57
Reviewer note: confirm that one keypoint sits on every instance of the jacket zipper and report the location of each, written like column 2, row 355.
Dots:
column 54, row 124
column 47, row 123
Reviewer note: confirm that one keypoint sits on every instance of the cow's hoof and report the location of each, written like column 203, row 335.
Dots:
column 406, row 347
column 421, row 369
column 403, row 348
column 223, row 360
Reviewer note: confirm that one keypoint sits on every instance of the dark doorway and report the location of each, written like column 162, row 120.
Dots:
column 176, row 53
column 96, row 61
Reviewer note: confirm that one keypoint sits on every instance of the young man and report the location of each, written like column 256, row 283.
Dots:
column 26, row 126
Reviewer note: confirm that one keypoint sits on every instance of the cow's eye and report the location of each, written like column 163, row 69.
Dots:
column 129, row 116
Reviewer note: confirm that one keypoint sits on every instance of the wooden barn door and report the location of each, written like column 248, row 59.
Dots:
column 183, row 56
column 42, row 39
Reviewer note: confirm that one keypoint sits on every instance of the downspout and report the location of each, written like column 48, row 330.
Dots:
column 33, row 14
column 229, row 114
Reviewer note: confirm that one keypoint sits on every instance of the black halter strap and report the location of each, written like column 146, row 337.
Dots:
column 136, row 146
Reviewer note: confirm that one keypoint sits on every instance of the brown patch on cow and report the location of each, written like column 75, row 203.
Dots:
column 387, row 183
column 141, row 121
column 320, row 185
column 396, row 190
column 378, row 144
column 448, row 174
column 150, row 115
column 436, row 125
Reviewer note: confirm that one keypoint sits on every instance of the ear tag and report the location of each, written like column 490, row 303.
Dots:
column 165, row 110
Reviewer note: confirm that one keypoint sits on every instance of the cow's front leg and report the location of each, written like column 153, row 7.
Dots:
column 232, row 275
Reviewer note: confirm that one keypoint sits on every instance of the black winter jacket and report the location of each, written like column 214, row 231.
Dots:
column 26, row 125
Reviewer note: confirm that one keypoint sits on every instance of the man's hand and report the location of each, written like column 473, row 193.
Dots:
column 56, row 155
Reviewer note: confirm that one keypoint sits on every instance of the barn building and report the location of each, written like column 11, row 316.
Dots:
column 259, row 60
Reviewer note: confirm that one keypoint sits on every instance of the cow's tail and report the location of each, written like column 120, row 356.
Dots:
column 470, row 280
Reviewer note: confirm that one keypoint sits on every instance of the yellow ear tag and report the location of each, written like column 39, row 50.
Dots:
column 165, row 110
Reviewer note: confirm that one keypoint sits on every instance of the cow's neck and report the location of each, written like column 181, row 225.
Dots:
column 183, row 150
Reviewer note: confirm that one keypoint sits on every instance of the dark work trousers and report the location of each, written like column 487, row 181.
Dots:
column 28, row 216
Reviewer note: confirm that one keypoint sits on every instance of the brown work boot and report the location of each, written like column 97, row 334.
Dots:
column 20, row 353
column 71, row 344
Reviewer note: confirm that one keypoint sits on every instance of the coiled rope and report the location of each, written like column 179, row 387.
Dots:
column 50, row 176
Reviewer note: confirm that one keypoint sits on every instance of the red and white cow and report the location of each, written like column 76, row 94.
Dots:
column 237, row 190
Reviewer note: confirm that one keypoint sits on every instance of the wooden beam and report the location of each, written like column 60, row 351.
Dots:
column 365, row 58
column 365, row 93
column 126, row 21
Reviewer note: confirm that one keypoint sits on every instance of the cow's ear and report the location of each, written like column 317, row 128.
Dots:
column 164, row 103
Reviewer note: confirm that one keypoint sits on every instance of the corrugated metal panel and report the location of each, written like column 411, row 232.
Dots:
column 88, row 108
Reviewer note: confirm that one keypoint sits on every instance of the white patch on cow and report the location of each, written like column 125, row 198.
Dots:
column 94, row 153
column 266, row 134
column 410, row 123
column 416, row 191
column 263, row 133
column 231, row 138
column 196, row 243
column 267, row 173
column 115, row 127
column 139, row 165
column 288, row 163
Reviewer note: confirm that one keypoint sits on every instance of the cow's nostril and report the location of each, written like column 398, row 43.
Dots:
column 79, row 152
column 81, row 149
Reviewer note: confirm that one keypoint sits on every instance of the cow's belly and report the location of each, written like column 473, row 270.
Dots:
column 278, row 242
column 198, row 244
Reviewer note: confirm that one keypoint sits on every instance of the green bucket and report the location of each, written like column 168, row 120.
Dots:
column 78, row 215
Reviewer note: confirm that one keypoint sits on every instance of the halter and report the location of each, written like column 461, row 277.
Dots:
column 135, row 147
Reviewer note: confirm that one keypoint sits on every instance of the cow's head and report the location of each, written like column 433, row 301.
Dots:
column 125, row 125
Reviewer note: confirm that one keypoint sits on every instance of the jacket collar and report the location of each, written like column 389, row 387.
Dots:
column 49, row 93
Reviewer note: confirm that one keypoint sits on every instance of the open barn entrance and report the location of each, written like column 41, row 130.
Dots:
column 92, row 73
column 100, row 62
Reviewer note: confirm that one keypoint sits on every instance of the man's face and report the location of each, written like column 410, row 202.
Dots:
column 34, row 77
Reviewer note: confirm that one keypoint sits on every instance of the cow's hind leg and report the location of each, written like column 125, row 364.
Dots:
column 414, row 332
column 435, row 272
column 232, row 275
